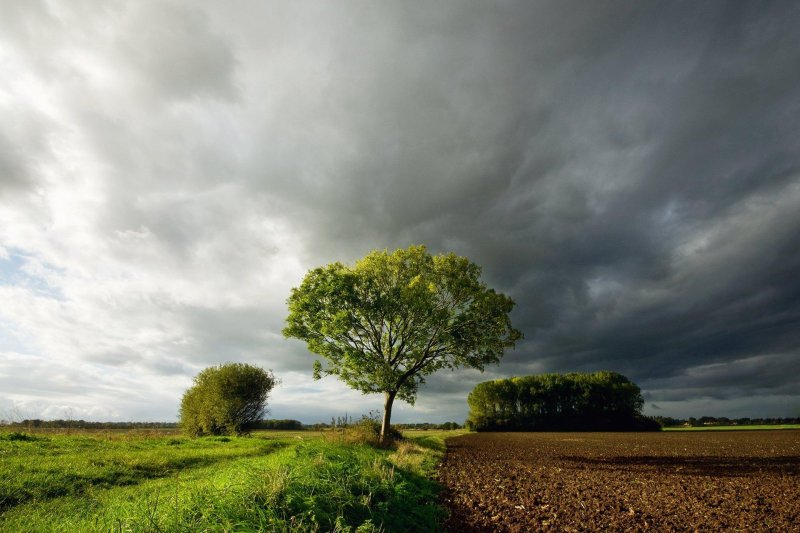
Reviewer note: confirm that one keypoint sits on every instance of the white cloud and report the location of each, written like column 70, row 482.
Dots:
column 42, row 386
column 126, row 207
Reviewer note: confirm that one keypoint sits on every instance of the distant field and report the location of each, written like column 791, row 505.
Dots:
column 763, row 427
column 271, row 481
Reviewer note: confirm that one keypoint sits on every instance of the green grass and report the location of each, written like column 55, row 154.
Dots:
column 432, row 440
column 272, row 481
column 735, row 428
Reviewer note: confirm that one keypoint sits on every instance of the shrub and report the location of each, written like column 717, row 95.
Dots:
column 18, row 436
column 226, row 399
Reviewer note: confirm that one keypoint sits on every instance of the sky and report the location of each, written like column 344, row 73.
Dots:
column 628, row 172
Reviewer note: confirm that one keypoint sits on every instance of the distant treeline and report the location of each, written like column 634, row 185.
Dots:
column 667, row 421
column 429, row 426
column 285, row 424
column 598, row 401
column 83, row 424
column 346, row 421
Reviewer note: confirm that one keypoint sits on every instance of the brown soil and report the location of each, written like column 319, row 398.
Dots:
column 708, row 481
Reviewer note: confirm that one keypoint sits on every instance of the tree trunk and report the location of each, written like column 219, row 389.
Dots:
column 387, row 415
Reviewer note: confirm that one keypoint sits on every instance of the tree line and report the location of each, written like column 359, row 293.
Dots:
column 284, row 424
column 703, row 421
column 598, row 401
column 84, row 424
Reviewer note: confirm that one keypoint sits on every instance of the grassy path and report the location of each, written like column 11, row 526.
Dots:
column 39, row 468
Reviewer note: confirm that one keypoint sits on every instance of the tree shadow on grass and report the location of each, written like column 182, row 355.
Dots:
column 412, row 506
column 337, row 486
column 702, row 465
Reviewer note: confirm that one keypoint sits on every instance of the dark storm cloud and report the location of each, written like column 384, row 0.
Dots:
column 629, row 172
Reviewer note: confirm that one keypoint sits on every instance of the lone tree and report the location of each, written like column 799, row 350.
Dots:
column 394, row 318
column 226, row 399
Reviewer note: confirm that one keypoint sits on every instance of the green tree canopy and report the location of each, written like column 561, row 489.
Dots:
column 393, row 318
column 226, row 399
column 578, row 401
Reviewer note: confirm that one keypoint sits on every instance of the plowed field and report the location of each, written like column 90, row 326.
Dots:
column 731, row 481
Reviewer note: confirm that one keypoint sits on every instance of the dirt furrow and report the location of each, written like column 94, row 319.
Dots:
column 732, row 481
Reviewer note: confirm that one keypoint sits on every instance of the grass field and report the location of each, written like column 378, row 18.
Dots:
column 735, row 428
column 271, row 481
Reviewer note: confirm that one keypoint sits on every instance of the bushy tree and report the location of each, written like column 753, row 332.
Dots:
column 393, row 318
column 226, row 399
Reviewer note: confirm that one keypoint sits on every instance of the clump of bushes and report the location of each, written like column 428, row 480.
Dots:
column 18, row 436
column 598, row 401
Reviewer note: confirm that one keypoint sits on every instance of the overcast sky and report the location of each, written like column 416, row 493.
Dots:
column 629, row 172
